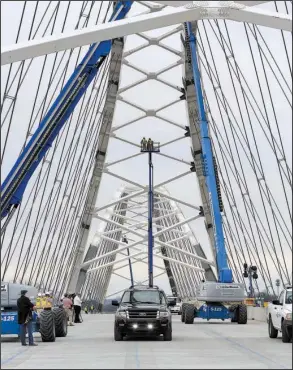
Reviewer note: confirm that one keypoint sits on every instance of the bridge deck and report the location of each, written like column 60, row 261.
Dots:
column 214, row 345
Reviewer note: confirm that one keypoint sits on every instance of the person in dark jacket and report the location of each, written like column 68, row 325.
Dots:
column 24, row 308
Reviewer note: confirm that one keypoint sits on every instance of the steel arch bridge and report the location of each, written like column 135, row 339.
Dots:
column 66, row 233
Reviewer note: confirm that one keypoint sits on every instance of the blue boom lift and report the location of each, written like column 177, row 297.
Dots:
column 13, row 187
column 222, row 299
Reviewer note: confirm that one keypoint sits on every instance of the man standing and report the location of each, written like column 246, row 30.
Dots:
column 143, row 144
column 77, row 308
column 24, row 308
column 67, row 305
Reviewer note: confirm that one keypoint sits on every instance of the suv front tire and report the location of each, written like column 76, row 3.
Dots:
column 118, row 336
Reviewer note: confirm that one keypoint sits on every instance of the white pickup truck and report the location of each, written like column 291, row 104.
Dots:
column 280, row 316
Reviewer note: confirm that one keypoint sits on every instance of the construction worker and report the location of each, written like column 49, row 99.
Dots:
column 39, row 301
column 67, row 305
column 48, row 301
column 86, row 310
column 42, row 300
column 92, row 309
column 143, row 144
column 150, row 145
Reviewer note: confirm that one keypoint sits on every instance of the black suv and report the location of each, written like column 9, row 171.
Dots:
column 143, row 311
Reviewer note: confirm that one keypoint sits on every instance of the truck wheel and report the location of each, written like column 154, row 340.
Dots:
column 47, row 326
column 273, row 333
column 189, row 314
column 168, row 334
column 117, row 334
column 242, row 314
column 285, row 337
column 183, row 312
column 60, row 322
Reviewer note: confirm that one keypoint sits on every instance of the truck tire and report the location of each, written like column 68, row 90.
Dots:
column 189, row 314
column 273, row 333
column 285, row 337
column 183, row 312
column 117, row 334
column 242, row 314
column 61, row 324
column 47, row 326
column 168, row 333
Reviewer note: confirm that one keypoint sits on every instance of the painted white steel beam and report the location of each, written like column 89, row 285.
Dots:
column 115, row 261
column 142, row 23
column 180, row 263
column 182, row 251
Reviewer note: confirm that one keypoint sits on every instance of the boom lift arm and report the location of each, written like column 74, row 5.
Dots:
column 222, row 299
column 224, row 272
column 13, row 187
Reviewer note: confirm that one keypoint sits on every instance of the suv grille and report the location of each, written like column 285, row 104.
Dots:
column 143, row 314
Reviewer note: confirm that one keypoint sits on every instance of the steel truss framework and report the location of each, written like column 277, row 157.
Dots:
column 183, row 258
column 175, row 244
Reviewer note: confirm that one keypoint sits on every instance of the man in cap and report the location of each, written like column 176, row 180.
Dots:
column 24, row 310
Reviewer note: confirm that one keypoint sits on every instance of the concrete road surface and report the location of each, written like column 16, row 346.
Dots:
column 204, row 345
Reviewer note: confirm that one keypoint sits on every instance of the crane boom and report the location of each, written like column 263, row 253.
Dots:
column 14, row 185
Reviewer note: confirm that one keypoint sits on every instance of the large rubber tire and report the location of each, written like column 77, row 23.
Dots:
column 61, row 323
column 117, row 334
column 273, row 333
column 47, row 326
column 234, row 308
column 242, row 314
column 285, row 337
column 168, row 334
column 189, row 314
column 183, row 312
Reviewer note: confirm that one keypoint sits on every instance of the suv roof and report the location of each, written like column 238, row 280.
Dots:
column 143, row 287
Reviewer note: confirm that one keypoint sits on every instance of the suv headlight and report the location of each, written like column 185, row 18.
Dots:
column 122, row 314
column 289, row 316
column 164, row 313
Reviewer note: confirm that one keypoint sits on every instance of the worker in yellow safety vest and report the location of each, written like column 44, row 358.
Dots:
column 47, row 301
column 39, row 301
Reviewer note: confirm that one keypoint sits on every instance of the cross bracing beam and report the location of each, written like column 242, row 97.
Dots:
column 167, row 245
column 179, row 256
column 163, row 18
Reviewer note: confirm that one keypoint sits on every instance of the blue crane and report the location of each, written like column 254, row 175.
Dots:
column 14, row 185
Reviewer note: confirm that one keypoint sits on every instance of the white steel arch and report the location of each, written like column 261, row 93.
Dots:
column 196, row 11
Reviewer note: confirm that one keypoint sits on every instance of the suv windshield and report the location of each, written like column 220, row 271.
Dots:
column 144, row 296
column 288, row 297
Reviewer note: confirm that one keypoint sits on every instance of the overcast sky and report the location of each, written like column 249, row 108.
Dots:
column 152, row 95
